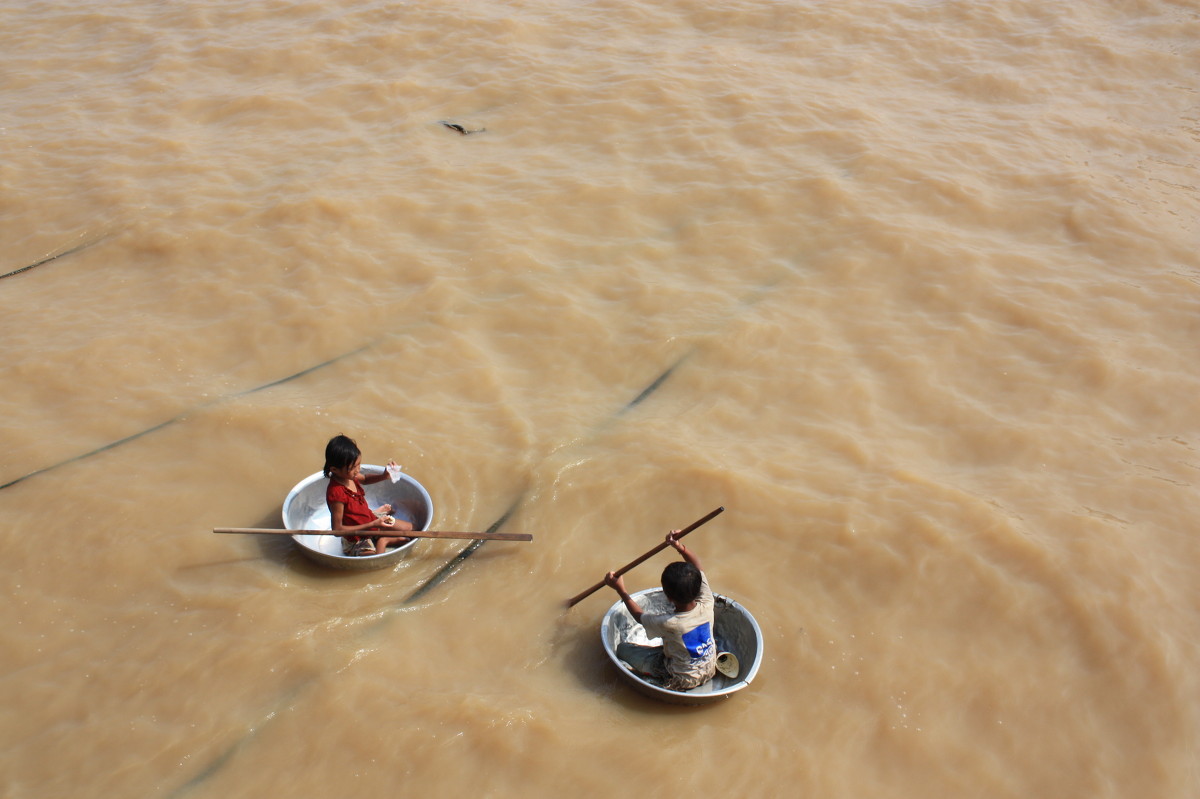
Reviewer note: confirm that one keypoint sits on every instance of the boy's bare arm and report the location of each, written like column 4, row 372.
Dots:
column 618, row 585
column 688, row 555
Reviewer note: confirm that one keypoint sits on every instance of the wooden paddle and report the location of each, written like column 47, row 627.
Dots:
column 381, row 533
column 573, row 600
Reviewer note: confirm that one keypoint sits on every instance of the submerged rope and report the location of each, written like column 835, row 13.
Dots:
column 56, row 256
column 186, row 414
column 452, row 566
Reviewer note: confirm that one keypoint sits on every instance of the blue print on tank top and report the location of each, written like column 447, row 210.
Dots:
column 699, row 641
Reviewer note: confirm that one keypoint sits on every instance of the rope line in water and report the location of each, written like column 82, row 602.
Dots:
column 186, row 414
column 452, row 566
column 650, row 389
column 56, row 256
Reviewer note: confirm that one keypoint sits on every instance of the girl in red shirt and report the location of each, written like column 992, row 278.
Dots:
column 347, row 501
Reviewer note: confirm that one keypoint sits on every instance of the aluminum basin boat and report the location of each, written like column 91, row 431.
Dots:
column 734, row 629
column 305, row 509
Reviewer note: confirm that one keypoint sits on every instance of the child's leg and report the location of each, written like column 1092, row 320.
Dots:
column 647, row 660
column 399, row 526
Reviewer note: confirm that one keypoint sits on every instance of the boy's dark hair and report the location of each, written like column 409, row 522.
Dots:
column 681, row 582
column 340, row 453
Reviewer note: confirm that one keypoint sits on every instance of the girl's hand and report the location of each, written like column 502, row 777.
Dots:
column 383, row 510
column 614, row 581
column 673, row 539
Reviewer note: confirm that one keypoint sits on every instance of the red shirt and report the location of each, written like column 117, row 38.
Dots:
column 356, row 510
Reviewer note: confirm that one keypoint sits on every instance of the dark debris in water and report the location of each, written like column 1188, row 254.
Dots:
column 460, row 129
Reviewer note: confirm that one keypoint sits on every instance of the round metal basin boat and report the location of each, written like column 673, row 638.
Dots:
column 305, row 509
column 734, row 629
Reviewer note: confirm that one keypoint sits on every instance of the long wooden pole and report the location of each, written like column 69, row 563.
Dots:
column 377, row 533
column 576, row 599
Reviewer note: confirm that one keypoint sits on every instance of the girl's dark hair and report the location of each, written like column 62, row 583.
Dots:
column 681, row 582
column 340, row 453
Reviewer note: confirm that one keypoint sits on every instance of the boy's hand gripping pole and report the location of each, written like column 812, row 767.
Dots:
column 576, row 599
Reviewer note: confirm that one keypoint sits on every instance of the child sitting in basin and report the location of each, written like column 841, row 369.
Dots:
column 687, row 657
column 347, row 501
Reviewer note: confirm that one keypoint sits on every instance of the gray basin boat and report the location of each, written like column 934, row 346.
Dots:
column 734, row 629
column 305, row 509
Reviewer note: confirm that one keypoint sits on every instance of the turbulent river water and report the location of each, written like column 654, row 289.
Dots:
column 910, row 288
